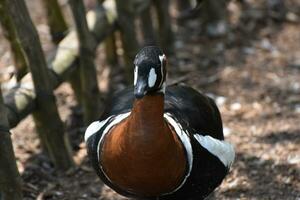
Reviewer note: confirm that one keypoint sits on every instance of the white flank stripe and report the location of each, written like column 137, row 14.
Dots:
column 152, row 78
column 93, row 128
column 221, row 149
column 186, row 143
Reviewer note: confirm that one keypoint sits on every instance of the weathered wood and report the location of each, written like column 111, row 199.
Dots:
column 213, row 10
column 46, row 117
column 10, row 180
column 111, row 50
column 58, row 30
column 88, row 75
column 182, row 5
column 56, row 21
column 101, row 1
column 147, row 27
column 17, row 52
column 21, row 100
column 126, row 21
column 213, row 14
column 164, row 23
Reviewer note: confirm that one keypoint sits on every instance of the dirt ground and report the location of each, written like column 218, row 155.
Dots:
column 253, row 73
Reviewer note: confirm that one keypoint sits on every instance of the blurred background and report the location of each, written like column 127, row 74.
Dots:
column 243, row 53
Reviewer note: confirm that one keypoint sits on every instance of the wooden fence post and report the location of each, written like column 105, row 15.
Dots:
column 183, row 5
column 58, row 30
column 21, row 100
column 111, row 50
column 147, row 27
column 166, row 36
column 110, row 46
column 214, row 16
column 21, row 67
column 87, row 45
column 10, row 180
column 48, row 122
column 56, row 21
column 126, row 21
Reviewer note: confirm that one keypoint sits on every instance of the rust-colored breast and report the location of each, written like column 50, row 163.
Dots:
column 143, row 158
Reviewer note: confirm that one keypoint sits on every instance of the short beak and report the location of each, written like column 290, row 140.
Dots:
column 140, row 89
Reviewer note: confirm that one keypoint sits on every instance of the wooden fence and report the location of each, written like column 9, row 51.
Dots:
column 73, row 62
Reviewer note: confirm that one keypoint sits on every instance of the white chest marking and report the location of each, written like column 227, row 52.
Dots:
column 152, row 78
column 117, row 120
column 93, row 128
column 221, row 149
column 97, row 125
column 186, row 143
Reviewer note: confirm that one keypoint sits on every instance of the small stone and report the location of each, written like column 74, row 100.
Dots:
column 226, row 131
column 294, row 159
column 217, row 29
column 297, row 108
column 248, row 50
column 235, row 106
column 266, row 44
column 58, row 193
column 84, row 196
column 179, row 44
column 220, row 100
column 292, row 17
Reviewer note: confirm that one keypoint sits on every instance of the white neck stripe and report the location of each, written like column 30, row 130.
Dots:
column 94, row 128
column 117, row 120
column 161, row 58
column 183, row 136
column 135, row 76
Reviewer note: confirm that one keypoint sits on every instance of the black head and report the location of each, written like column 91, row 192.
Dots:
column 149, row 71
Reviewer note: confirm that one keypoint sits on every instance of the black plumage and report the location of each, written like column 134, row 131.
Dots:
column 198, row 114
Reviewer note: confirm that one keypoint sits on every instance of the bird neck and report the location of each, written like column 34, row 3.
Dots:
column 147, row 115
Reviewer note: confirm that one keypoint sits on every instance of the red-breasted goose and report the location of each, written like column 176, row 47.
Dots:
column 159, row 142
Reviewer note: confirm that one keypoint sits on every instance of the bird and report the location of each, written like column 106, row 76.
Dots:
column 155, row 141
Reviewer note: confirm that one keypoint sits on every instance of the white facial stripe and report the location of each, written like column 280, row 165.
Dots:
column 93, row 128
column 186, row 143
column 162, row 58
column 135, row 74
column 221, row 149
column 152, row 77
column 163, row 88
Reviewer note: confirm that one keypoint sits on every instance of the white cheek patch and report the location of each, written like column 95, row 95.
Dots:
column 221, row 149
column 135, row 74
column 152, row 77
